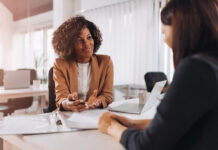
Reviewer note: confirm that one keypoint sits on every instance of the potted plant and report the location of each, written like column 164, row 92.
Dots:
column 40, row 66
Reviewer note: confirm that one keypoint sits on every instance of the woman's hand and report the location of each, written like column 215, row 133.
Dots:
column 73, row 103
column 108, row 125
column 73, row 97
column 105, row 121
column 93, row 102
column 129, row 123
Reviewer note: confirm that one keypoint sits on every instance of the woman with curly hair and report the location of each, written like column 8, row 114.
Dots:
column 187, row 117
column 83, row 80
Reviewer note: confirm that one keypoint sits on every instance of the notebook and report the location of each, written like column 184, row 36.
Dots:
column 136, row 108
column 17, row 79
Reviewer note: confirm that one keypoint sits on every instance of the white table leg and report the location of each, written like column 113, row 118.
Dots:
column 43, row 101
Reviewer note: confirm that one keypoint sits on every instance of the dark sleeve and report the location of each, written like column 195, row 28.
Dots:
column 188, row 98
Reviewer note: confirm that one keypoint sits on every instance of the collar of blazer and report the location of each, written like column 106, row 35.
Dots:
column 94, row 82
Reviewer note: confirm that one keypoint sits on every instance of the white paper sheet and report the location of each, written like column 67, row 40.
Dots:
column 84, row 120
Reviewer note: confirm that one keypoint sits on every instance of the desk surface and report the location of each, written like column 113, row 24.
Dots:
column 82, row 140
column 17, row 93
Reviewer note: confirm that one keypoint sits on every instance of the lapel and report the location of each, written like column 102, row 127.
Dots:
column 73, row 77
column 94, row 82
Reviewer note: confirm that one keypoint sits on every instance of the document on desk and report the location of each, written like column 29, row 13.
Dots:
column 84, row 120
column 32, row 124
column 50, row 122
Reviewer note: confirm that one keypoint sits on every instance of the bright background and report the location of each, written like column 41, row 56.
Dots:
column 131, row 32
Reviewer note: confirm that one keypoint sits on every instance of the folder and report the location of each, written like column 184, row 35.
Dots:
column 50, row 122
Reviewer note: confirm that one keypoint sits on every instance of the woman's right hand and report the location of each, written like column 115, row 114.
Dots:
column 129, row 123
column 108, row 125
column 72, row 103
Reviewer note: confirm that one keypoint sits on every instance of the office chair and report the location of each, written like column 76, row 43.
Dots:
column 33, row 74
column 1, row 77
column 152, row 77
column 19, row 103
column 51, row 93
column 4, row 107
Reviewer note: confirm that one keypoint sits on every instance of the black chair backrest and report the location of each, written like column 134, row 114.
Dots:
column 51, row 91
column 152, row 77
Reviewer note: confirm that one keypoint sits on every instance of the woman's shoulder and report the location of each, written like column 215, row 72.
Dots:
column 103, row 58
column 60, row 62
column 196, row 62
column 59, row 59
column 196, row 68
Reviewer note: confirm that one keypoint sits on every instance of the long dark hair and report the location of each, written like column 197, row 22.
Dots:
column 195, row 27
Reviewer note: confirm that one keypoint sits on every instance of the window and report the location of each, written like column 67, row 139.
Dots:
column 34, row 50
column 50, row 51
column 132, row 37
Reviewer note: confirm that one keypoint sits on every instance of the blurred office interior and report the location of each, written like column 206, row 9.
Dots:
column 131, row 32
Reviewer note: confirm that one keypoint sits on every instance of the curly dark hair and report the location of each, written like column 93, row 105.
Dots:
column 64, row 38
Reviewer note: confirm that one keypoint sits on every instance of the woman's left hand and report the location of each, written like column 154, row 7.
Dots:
column 93, row 102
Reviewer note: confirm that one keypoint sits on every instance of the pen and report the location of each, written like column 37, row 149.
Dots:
column 82, row 102
column 58, row 121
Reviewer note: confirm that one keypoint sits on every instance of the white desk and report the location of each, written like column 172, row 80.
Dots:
column 81, row 140
column 19, row 93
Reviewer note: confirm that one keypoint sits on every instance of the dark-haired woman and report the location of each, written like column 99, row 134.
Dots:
column 187, row 118
column 83, row 80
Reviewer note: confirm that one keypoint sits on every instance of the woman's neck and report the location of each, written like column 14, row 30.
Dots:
column 83, row 60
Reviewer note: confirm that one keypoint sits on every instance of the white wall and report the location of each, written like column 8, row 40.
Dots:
column 38, row 21
column 6, row 30
column 64, row 9
column 92, row 4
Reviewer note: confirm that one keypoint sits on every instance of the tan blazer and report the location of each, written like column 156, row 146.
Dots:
column 66, row 78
